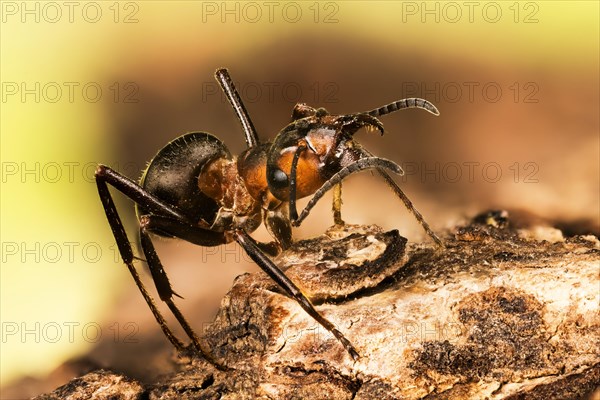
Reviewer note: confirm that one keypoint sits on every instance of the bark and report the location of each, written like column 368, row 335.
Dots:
column 501, row 312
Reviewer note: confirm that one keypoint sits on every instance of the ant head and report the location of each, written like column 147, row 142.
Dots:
column 312, row 148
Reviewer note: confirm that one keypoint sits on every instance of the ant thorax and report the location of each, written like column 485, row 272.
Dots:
column 221, row 181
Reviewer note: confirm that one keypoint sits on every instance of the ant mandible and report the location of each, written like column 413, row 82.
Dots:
column 195, row 190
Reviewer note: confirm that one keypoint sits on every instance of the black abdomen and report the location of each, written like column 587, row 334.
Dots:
column 172, row 175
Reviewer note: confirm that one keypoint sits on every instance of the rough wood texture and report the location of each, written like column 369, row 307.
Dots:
column 99, row 384
column 498, row 313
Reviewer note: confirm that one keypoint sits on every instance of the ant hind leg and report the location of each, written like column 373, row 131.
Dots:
column 127, row 256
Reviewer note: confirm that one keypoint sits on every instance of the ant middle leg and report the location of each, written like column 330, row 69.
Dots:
column 191, row 234
column 265, row 263
column 166, row 293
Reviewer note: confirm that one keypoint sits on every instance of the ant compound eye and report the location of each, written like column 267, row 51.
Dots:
column 278, row 178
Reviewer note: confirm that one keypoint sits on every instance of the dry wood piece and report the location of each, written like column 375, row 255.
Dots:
column 98, row 385
column 498, row 313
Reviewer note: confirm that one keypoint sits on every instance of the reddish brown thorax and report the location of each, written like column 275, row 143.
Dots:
column 221, row 181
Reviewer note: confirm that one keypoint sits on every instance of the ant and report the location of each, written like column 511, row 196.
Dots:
column 195, row 190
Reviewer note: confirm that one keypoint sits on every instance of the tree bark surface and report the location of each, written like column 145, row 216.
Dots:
column 502, row 312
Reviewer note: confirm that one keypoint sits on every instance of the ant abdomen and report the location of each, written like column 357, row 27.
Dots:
column 172, row 175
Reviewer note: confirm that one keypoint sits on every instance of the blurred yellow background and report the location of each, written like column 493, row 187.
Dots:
column 112, row 82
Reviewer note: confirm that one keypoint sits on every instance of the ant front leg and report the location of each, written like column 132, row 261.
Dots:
column 356, row 166
column 404, row 198
column 409, row 205
column 337, row 205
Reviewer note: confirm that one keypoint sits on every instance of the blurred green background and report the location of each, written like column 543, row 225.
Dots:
column 112, row 82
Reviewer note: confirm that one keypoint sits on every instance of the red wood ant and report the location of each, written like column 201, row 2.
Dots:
column 195, row 190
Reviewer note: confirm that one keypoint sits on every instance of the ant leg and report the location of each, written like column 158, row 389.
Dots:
column 222, row 76
column 166, row 293
column 182, row 229
column 191, row 233
column 251, row 247
column 337, row 204
column 358, row 165
column 276, row 222
column 105, row 176
column 409, row 205
column 135, row 192
column 126, row 252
